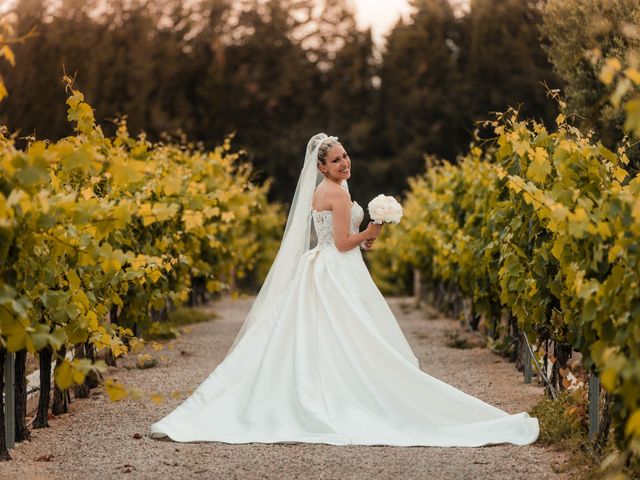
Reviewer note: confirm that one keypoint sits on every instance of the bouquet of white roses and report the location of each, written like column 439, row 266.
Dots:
column 385, row 209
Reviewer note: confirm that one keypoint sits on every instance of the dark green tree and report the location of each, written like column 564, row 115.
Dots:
column 350, row 101
column 278, row 71
column 504, row 62
column 581, row 34
column 264, row 88
column 419, row 105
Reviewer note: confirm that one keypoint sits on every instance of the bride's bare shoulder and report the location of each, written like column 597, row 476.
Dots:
column 338, row 195
column 331, row 190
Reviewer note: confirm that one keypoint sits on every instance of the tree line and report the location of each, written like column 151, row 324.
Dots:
column 277, row 71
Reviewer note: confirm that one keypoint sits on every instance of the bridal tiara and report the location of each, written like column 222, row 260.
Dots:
column 319, row 145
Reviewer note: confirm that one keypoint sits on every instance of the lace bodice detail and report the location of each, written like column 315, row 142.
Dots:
column 323, row 223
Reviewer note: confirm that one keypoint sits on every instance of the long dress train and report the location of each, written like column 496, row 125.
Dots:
column 335, row 368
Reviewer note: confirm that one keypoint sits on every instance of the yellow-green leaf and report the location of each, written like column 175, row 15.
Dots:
column 558, row 247
column 192, row 219
column 8, row 54
column 609, row 69
column 540, row 166
column 633, row 424
column 620, row 174
column 633, row 75
column 608, row 379
column 115, row 390
column 155, row 275
column 73, row 279
column 632, row 122
column 92, row 320
column 63, row 375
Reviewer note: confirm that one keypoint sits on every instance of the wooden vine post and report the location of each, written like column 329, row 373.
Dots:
column 9, row 400
column 594, row 399
column 526, row 362
column 417, row 286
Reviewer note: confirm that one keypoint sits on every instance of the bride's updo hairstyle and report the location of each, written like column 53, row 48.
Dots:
column 326, row 145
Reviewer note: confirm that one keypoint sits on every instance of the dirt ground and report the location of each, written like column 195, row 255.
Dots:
column 103, row 439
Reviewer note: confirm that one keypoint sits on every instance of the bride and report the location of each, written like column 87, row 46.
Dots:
column 320, row 357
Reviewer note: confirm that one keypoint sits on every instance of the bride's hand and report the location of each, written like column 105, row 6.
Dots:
column 373, row 230
column 367, row 244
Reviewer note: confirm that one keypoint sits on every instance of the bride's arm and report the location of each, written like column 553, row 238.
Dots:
column 341, row 206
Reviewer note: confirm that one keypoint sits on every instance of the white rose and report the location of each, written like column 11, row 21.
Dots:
column 385, row 209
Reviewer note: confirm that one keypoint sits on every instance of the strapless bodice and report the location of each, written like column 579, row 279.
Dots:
column 323, row 223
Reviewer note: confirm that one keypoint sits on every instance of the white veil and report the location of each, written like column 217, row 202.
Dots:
column 295, row 243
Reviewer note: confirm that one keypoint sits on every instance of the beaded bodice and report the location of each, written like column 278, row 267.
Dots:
column 323, row 223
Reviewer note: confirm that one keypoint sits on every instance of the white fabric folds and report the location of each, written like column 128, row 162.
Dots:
column 329, row 364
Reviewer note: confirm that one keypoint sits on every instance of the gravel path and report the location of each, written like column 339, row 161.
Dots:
column 102, row 439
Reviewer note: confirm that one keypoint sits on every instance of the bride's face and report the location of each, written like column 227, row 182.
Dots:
column 337, row 164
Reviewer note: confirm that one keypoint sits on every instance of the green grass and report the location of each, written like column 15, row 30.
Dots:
column 561, row 421
column 564, row 427
column 179, row 317
column 455, row 341
column 190, row 315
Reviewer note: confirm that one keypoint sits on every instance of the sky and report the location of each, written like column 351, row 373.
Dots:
column 380, row 15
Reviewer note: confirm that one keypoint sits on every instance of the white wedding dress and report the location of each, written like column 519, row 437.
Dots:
column 334, row 367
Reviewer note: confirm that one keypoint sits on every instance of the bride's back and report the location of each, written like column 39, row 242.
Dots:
column 325, row 193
